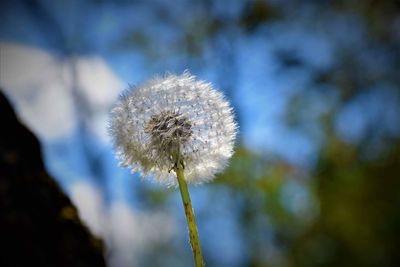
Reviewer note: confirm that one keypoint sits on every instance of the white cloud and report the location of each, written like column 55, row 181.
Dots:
column 97, row 81
column 36, row 83
column 127, row 233
column 131, row 233
column 40, row 85
column 88, row 199
column 101, row 88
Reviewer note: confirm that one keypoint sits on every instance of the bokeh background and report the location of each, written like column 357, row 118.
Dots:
column 315, row 180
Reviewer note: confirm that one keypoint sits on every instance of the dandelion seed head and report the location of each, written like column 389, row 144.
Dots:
column 172, row 117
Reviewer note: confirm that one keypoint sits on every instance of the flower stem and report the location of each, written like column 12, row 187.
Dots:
column 187, row 204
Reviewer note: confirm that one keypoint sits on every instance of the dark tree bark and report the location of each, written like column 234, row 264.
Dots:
column 39, row 226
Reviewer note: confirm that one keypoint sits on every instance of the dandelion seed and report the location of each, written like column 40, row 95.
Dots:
column 175, row 123
column 172, row 117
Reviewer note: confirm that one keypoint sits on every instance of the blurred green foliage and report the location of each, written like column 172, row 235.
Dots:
column 345, row 209
column 352, row 220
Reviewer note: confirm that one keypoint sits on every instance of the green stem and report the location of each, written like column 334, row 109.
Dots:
column 187, row 204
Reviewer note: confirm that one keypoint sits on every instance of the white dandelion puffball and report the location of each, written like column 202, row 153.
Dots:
column 170, row 118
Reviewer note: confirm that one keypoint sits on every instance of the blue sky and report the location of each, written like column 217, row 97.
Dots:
column 118, row 45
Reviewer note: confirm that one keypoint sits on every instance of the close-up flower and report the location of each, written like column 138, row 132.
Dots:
column 169, row 117
column 111, row 119
column 175, row 123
